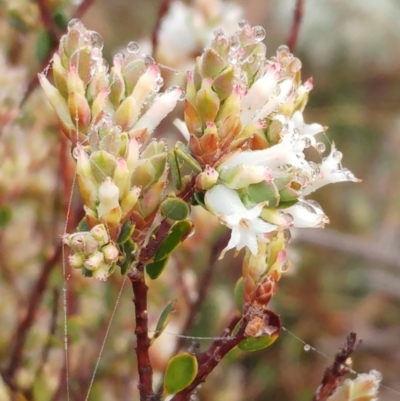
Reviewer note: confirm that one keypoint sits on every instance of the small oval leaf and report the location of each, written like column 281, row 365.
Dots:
column 178, row 232
column 154, row 269
column 126, row 232
column 238, row 294
column 174, row 168
column 252, row 344
column 175, row 209
column 181, row 371
column 164, row 319
column 128, row 247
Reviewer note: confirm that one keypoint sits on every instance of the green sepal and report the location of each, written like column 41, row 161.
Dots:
column 154, row 269
column 178, row 232
column 174, row 209
column 126, row 232
column 5, row 216
column 181, row 371
column 174, row 169
column 183, row 153
column 252, row 344
column 284, row 205
column 83, row 225
column 164, row 319
column 238, row 294
column 198, row 199
column 127, row 248
column 86, row 272
column 264, row 191
column 288, row 194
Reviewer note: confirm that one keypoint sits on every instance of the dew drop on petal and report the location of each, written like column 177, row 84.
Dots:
column 287, row 235
column 73, row 22
column 282, row 49
column 259, row 33
column 285, row 267
column 234, row 43
column 96, row 40
column 336, row 155
column 148, row 60
column 242, row 23
column 321, row 146
column 133, row 47
column 219, row 33
column 307, row 347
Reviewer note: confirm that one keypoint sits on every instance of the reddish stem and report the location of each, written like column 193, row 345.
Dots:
column 297, row 18
column 48, row 20
column 162, row 10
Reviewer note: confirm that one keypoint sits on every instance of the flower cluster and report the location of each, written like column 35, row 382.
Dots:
column 108, row 115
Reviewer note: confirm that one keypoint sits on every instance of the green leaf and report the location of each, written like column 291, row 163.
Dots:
column 264, row 191
column 154, row 269
column 174, row 168
column 238, row 294
column 183, row 153
column 198, row 199
column 126, row 232
column 164, row 319
column 174, row 209
column 5, row 216
column 86, row 272
column 43, row 45
column 83, row 225
column 178, row 232
column 42, row 388
column 127, row 248
column 252, row 344
column 181, row 371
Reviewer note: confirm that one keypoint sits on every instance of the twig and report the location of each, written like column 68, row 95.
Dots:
column 35, row 298
column 48, row 20
column 46, row 60
column 145, row 369
column 210, row 358
column 163, row 9
column 294, row 31
column 341, row 366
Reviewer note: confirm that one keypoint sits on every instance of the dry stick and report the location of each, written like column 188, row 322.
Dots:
column 210, row 358
column 35, row 298
column 297, row 17
column 46, row 61
column 334, row 375
column 163, row 9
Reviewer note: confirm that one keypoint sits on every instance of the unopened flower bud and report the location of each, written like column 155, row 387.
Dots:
column 100, row 234
column 94, row 260
column 110, row 253
column 206, row 179
column 76, row 260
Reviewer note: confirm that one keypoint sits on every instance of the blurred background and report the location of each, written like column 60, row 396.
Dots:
column 344, row 278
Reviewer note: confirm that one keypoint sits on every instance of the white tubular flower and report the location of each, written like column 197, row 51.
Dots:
column 161, row 106
column 307, row 214
column 246, row 225
column 108, row 196
column 331, row 172
column 306, row 130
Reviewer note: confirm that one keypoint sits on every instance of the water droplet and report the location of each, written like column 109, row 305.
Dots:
column 285, row 266
column 287, row 235
column 96, row 54
column 105, row 64
column 321, row 147
column 249, row 59
column 74, row 22
column 307, row 142
column 336, row 155
column 286, row 216
column 307, row 347
column 234, row 43
column 242, row 23
column 282, row 49
column 259, row 33
column 148, row 60
column 376, row 374
column 96, row 40
column 119, row 58
column 219, row 33
column 133, row 47
column 182, row 96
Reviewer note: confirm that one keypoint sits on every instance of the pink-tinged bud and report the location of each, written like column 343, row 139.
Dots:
column 146, row 84
column 127, row 113
column 82, row 242
column 151, row 199
column 108, row 197
column 100, row 234
column 211, row 63
column 79, row 110
column 265, row 290
column 94, row 260
column 60, row 76
column 110, row 253
column 102, row 273
column 206, row 179
column 82, row 60
column 130, row 200
column 118, row 84
column 122, row 177
column 231, row 105
column 76, row 260
column 207, row 101
column 190, row 88
column 160, row 108
column 99, row 105
column 103, row 165
column 74, row 82
column 133, row 154
column 98, row 83
column 192, row 119
column 57, row 101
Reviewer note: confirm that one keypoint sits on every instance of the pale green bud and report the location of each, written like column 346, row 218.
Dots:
column 102, row 272
column 103, row 165
column 127, row 113
column 146, row 84
column 81, row 242
column 100, row 234
column 76, row 260
column 79, row 110
column 109, row 210
column 94, row 260
column 122, row 177
column 207, row 101
column 60, row 75
column 130, row 200
column 207, row 179
column 110, row 253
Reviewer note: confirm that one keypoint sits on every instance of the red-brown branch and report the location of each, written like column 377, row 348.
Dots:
column 294, row 31
column 210, row 358
column 162, row 10
column 341, row 366
column 48, row 20
column 145, row 369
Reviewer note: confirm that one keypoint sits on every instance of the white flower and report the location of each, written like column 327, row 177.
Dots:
column 246, row 225
column 307, row 214
column 331, row 172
